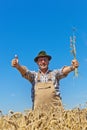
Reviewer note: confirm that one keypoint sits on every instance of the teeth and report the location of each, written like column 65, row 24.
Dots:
column 42, row 65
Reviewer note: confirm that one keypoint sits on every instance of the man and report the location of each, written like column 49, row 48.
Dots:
column 45, row 82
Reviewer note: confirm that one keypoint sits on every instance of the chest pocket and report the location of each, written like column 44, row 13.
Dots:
column 46, row 87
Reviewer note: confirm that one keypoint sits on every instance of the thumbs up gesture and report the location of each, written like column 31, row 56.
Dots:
column 15, row 61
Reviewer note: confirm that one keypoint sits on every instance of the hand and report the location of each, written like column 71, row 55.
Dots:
column 75, row 64
column 14, row 62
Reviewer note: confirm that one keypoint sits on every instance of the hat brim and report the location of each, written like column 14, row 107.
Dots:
column 36, row 58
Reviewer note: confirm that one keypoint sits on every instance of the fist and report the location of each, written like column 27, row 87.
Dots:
column 75, row 63
column 14, row 62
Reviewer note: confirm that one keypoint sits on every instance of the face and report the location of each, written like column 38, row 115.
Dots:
column 43, row 63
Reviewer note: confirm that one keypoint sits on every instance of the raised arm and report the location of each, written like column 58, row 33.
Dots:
column 68, row 69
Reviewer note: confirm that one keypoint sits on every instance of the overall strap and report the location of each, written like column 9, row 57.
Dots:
column 38, row 77
column 49, row 77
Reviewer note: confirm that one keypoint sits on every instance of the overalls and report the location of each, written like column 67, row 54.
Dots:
column 45, row 95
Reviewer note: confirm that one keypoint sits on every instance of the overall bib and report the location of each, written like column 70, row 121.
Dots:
column 45, row 96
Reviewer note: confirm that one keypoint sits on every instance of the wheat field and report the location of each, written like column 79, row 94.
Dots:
column 52, row 119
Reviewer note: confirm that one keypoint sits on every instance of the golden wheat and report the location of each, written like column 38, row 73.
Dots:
column 52, row 119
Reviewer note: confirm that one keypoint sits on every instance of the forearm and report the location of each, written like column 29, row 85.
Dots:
column 67, row 69
column 21, row 69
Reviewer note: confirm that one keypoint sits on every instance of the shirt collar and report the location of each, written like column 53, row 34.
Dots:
column 46, row 71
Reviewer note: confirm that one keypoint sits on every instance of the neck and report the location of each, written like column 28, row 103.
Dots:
column 44, row 71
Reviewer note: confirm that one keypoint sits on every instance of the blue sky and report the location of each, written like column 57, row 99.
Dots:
column 26, row 27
